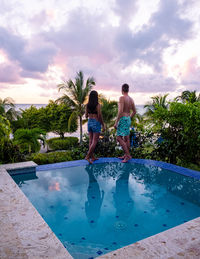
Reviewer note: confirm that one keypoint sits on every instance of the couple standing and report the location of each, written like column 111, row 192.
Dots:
column 122, row 124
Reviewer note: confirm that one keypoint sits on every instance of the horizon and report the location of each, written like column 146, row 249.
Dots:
column 153, row 46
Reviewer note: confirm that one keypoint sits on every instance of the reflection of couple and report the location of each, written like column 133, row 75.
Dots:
column 122, row 200
column 95, row 198
column 122, row 124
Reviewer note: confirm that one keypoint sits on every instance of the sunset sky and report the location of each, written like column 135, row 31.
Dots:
column 151, row 45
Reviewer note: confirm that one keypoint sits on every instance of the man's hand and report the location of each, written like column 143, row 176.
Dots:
column 115, row 125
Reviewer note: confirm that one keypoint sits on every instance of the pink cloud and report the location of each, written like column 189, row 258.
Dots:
column 190, row 76
column 9, row 74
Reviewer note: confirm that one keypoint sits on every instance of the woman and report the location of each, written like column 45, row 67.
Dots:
column 93, row 112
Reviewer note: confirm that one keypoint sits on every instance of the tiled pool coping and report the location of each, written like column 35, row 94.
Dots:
column 24, row 234
column 171, row 167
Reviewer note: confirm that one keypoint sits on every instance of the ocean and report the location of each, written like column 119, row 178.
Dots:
column 140, row 108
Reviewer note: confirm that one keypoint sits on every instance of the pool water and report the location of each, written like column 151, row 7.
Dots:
column 98, row 208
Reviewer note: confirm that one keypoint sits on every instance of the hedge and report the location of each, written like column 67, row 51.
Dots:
column 52, row 157
column 62, row 144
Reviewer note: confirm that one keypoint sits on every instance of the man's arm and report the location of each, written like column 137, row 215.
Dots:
column 133, row 109
column 120, row 110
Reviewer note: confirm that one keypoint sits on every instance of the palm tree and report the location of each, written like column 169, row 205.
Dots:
column 5, row 129
column 29, row 137
column 188, row 96
column 75, row 96
column 7, row 108
column 109, row 112
column 158, row 101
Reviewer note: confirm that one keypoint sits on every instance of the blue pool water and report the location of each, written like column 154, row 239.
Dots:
column 94, row 209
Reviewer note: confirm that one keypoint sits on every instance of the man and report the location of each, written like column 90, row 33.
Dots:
column 123, row 121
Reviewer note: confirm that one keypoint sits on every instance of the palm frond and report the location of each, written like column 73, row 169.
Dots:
column 73, row 116
column 65, row 99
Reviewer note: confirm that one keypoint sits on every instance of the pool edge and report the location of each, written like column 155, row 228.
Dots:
column 23, row 232
column 182, row 241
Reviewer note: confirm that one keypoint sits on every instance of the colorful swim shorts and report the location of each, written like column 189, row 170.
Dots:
column 123, row 128
column 94, row 126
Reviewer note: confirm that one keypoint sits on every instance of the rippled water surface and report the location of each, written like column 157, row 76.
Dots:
column 98, row 208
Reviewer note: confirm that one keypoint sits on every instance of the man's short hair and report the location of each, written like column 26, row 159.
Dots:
column 125, row 88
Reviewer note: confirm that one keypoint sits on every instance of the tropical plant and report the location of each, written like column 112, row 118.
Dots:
column 52, row 118
column 181, row 133
column 157, row 101
column 5, row 129
column 27, row 139
column 188, row 96
column 7, row 108
column 75, row 95
column 62, row 143
column 52, row 157
column 9, row 153
column 28, row 119
column 109, row 112
column 58, row 116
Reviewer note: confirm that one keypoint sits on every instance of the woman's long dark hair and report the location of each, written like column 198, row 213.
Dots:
column 93, row 102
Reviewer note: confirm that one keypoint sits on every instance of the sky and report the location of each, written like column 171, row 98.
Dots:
column 151, row 45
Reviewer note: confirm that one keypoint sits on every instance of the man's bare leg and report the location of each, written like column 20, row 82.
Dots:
column 122, row 157
column 124, row 146
column 127, row 141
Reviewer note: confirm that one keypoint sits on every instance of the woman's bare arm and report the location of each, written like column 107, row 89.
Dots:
column 86, row 112
column 99, row 114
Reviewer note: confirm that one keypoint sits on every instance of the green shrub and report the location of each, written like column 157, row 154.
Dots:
column 78, row 153
column 49, row 158
column 62, row 144
column 10, row 153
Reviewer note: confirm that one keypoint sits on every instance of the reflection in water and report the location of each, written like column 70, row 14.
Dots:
column 95, row 198
column 139, row 201
column 20, row 179
column 122, row 199
column 185, row 187
column 54, row 186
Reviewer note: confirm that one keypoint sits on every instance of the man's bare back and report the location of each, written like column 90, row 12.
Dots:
column 126, row 104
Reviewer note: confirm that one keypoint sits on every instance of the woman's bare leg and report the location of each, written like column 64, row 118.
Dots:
column 90, row 143
column 93, row 144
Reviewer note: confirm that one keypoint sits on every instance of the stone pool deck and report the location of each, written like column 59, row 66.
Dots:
column 24, row 233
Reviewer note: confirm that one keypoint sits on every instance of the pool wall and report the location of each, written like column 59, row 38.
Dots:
column 24, row 233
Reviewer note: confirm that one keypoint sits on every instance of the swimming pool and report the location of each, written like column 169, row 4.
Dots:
column 94, row 209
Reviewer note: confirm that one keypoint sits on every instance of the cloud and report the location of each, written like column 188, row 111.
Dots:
column 12, row 44
column 149, row 43
column 37, row 59
column 5, row 7
column 32, row 56
column 190, row 76
column 56, row 48
column 125, row 9
column 82, row 35
column 111, row 76
column 9, row 74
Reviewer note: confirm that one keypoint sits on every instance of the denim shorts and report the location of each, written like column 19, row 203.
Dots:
column 94, row 126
